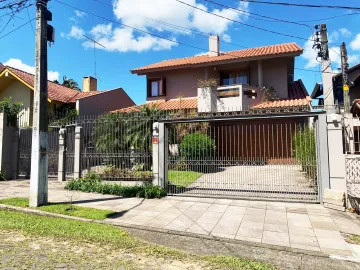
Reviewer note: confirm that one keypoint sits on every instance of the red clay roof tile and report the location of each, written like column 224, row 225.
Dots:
column 239, row 54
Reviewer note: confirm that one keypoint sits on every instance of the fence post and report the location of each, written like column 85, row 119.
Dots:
column 62, row 155
column 155, row 154
column 322, row 155
column 162, row 156
column 77, row 152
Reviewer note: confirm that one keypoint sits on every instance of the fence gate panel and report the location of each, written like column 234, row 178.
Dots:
column 24, row 160
column 272, row 158
column 70, row 154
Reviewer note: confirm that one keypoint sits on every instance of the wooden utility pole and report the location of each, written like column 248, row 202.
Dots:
column 345, row 79
column 326, row 71
column 39, row 160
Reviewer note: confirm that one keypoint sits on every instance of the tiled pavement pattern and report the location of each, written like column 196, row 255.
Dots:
column 296, row 225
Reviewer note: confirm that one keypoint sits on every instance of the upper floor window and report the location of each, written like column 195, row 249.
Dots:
column 231, row 77
column 156, row 87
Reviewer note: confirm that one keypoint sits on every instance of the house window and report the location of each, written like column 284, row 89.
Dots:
column 232, row 77
column 156, row 87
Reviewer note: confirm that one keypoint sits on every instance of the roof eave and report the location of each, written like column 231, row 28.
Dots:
column 228, row 61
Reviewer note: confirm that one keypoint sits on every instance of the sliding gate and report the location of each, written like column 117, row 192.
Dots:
column 272, row 158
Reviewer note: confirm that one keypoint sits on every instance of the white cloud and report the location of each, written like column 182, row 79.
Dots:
column 123, row 40
column 80, row 14
column 345, row 32
column 334, row 36
column 75, row 32
column 355, row 44
column 226, row 37
column 136, row 12
column 17, row 63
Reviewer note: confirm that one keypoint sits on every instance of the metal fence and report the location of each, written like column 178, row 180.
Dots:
column 117, row 146
column 260, row 158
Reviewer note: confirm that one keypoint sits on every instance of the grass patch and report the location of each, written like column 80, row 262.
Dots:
column 109, row 235
column 63, row 208
column 183, row 178
column 353, row 239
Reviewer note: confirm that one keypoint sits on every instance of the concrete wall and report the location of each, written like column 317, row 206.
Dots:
column 8, row 149
column 184, row 81
column 104, row 102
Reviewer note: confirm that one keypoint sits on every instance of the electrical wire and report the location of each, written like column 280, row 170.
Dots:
column 32, row 27
column 186, row 30
column 246, row 24
column 256, row 14
column 155, row 35
column 300, row 5
column 17, row 28
column 329, row 18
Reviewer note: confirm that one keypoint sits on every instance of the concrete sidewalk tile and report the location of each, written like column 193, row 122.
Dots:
column 349, row 229
column 336, row 252
column 299, row 223
column 248, row 239
column 328, row 234
column 240, row 203
column 237, row 210
column 250, row 233
column 179, row 225
column 301, row 231
column 275, row 214
column 138, row 220
column 305, row 247
column 254, row 218
column 252, row 225
column 276, row 208
column 210, row 220
column 297, row 210
column 150, row 213
column 223, row 235
column 200, row 228
column 159, row 223
column 275, row 228
column 164, row 217
column 220, row 208
column 273, row 220
column 200, row 206
column 297, row 216
column 275, row 236
column 228, row 228
column 206, row 200
column 183, row 206
column 207, row 213
column 320, row 218
column 332, row 243
column 324, row 225
column 223, row 201
column 303, row 240
column 255, row 211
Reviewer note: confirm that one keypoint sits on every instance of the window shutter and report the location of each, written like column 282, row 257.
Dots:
column 148, row 87
column 163, row 86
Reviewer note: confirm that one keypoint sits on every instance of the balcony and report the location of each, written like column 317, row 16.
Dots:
column 228, row 98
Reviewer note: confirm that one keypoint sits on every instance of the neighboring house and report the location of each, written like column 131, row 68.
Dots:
column 241, row 76
column 19, row 85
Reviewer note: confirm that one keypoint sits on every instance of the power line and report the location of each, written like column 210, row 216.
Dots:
column 187, row 30
column 32, row 27
column 300, row 5
column 256, row 14
column 329, row 18
column 246, row 24
column 17, row 28
column 155, row 35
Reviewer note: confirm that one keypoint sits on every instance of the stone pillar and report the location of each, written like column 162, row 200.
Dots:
column 155, row 154
column 322, row 156
column 207, row 99
column 163, row 156
column 62, row 155
column 336, row 153
column 78, row 152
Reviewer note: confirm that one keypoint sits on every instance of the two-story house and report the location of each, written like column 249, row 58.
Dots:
column 241, row 77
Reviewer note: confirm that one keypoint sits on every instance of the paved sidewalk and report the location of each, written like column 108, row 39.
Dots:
column 295, row 225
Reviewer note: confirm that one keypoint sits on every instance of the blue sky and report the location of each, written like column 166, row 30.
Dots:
column 72, row 55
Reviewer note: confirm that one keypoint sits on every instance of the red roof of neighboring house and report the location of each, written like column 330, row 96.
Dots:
column 283, row 103
column 56, row 92
column 244, row 54
column 297, row 90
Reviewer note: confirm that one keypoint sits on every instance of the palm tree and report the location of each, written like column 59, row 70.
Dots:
column 70, row 83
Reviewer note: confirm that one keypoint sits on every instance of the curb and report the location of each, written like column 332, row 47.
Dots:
column 163, row 231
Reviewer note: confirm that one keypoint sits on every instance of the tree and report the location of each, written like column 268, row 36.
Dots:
column 70, row 83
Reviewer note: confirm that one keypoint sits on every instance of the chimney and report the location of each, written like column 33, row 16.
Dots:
column 89, row 84
column 214, row 45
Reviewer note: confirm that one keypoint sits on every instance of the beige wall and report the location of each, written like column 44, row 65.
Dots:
column 18, row 93
column 184, row 81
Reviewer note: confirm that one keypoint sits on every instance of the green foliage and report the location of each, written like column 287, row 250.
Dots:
column 63, row 208
column 62, row 116
column 183, row 178
column 2, row 176
column 137, row 173
column 304, row 148
column 197, row 146
column 269, row 94
column 11, row 109
column 69, row 83
column 94, row 184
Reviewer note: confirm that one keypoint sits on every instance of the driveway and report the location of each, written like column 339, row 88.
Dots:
column 267, row 181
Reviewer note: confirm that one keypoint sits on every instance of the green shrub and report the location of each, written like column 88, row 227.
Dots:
column 197, row 146
column 92, row 183
column 11, row 109
column 304, row 148
column 2, row 176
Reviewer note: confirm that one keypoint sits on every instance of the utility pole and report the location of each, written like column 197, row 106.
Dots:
column 326, row 70
column 39, row 161
column 345, row 79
